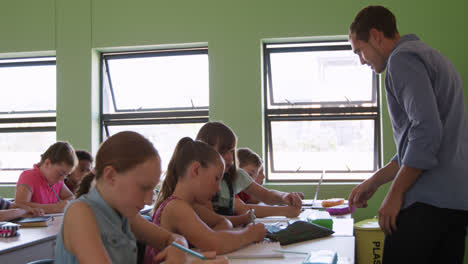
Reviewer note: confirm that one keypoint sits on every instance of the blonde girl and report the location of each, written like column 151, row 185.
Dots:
column 102, row 226
column 192, row 177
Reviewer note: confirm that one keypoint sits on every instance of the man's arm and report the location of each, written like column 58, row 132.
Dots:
column 364, row 191
column 393, row 201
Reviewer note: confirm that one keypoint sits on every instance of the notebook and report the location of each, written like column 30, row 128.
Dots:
column 34, row 221
column 265, row 249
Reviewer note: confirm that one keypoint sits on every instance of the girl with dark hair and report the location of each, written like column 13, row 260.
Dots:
column 223, row 139
column 85, row 162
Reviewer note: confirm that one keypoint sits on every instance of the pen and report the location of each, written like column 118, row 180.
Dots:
column 196, row 254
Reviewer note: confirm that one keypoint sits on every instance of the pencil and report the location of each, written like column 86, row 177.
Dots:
column 56, row 195
column 290, row 251
column 196, row 254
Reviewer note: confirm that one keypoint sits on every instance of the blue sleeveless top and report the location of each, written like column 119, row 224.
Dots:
column 116, row 236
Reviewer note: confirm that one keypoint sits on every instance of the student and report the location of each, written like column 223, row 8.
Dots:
column 193, row 176
column 102, row 225
column 425, row 212
column 10, row 210
column 85, row 161
column 87, row 182
column 250, row 162
column 235, row 180
column 43, row 185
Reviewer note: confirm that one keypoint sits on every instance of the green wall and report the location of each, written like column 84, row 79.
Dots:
column 77, row 31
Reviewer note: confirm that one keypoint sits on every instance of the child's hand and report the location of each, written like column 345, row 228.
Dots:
column 31, row 212
column 60, row 206
column 245, row 218
column 211, row 256
column 294, row 199
column 257, row 232
column 291, row 211
column 171, row 255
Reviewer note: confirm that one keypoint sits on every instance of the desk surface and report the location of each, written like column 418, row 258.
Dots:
column 30, row 236
column 342, row 241
column 344, row 246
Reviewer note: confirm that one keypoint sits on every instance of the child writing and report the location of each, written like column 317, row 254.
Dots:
column 85, row 161
column 102, row 225
column 10, row 210
column 250, row 162
column 235, row 180
column 193, row 176
column 43, row 186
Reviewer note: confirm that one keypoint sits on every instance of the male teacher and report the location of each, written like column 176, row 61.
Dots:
column 425, row 212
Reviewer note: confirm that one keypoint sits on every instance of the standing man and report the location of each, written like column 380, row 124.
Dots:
column 425, row 212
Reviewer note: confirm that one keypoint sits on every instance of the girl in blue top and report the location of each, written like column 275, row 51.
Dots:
column 102, row 226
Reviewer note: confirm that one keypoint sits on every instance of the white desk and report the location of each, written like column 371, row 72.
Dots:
column 343, row 245
column 32, row 243
column 342, row 241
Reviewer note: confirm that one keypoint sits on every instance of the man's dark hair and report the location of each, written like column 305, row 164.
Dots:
column 377, row 17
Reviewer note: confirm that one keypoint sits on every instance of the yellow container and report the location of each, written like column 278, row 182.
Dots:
column 369, row 242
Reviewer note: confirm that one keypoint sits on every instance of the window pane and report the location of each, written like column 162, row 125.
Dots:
column 22, row 150
column 324, row 77
column 28, row 88
column 159, row 82
column 344, row 145
column 163, row 136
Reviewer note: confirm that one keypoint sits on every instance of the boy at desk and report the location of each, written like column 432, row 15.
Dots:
column 251, row 163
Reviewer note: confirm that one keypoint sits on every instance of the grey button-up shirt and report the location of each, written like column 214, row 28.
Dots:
column 427, row 108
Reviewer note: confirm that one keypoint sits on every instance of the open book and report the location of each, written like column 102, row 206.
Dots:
column 265, row 249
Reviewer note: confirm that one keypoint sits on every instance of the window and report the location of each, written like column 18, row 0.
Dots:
column 27, row 113
column 322, row 113
column 161, row 94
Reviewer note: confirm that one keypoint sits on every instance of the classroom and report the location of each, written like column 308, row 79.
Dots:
column 233, row 34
